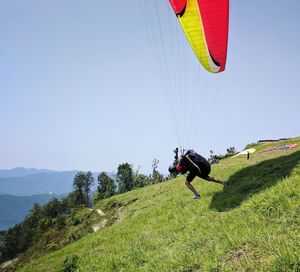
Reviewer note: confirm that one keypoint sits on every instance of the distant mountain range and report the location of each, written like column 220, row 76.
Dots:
column 27, row 182
column 40, row 183
column 21, row 172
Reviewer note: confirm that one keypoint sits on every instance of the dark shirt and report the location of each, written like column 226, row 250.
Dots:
column 195, row 164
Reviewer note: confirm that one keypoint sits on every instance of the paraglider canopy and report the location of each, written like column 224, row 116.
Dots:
column 205, row 24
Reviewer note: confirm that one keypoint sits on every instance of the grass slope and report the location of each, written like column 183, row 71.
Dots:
column 251, row 226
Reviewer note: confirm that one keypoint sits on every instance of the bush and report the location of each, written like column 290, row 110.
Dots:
column 70, row 264
column 250, row 145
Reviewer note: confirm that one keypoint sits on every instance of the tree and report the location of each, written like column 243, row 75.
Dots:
column 125, row 177
column 88, row 183
column 176, row 150
column 140, row 180
column 82, row 187
column 53, row 208
column 36, row 213
column 156, row 176
column 106, row 186
column 214, row 158
column 10, row 246
column 176, row 160
column 211, row 157
column 230, row 151
column 78, row 185
column 73, row 198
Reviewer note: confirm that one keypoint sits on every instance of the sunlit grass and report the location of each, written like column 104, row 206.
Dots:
column 251, row 226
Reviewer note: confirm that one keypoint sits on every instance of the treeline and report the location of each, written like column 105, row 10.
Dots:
column 58, row 214
column 215, row 158
column 39, row 220
column 49, row 219
column 126, row 180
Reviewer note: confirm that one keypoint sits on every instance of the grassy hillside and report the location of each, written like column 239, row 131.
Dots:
column 251, row 226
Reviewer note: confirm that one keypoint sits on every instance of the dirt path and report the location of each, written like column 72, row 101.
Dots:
column 100, row 212
column 119, row 215
column 8, row 263
column 102, row 224
column 118, row 218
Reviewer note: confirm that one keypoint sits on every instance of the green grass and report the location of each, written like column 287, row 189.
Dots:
column 251, row 226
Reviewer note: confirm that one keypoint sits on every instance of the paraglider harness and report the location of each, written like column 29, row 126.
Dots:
column 186, row 155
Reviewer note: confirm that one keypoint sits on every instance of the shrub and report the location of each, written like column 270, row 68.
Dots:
column 70, row 264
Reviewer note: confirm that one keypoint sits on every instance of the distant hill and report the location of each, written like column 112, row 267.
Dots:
column 20, row 181
column 13, row 209
column 21, row 172
column 41, row 183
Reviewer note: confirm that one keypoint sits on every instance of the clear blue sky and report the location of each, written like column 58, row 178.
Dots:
column 79, row 87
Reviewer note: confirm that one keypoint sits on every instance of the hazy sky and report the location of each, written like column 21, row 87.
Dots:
column 82, row 85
